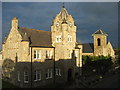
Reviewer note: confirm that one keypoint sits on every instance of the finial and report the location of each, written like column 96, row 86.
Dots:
column 63, row 5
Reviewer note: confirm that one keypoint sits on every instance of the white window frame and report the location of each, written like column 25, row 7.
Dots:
column 25, row 77
column 37, row 54
column 48, row 54
column 58, row 72
column 49, row 73
column 39, row 72
column 69, row 38
column 19, row 76
column 35, row 74
column 60, row 39
column 51, row 54
column 57, row 38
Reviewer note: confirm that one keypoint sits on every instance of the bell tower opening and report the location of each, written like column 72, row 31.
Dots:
column 99, row 41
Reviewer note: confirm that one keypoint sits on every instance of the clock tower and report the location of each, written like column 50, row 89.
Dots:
column 63, row 31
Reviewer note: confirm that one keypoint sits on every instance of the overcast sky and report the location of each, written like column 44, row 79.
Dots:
column 88, row 16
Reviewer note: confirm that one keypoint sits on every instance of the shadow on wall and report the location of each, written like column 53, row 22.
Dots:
column 35, row 74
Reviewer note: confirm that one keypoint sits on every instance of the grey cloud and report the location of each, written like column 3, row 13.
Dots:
column 88, row 17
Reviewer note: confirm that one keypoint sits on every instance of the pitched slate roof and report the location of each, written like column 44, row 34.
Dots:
column 36, row 37
column 100, row 32
column 88, row 48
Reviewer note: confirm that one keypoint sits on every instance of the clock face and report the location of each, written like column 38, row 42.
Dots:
column 57, row 24
column 70, row 24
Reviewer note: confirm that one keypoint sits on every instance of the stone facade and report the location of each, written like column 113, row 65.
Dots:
column 1, row 61
column 37, row 57
column 100, row 45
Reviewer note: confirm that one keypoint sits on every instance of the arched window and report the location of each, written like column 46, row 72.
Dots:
column 98, row 40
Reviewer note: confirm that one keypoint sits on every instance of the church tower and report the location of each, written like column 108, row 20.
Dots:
column 63, row 31
column 100, row 41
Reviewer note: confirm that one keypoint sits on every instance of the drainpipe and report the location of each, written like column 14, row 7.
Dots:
column 80, row 68
column 31, row 67
column 54, row 67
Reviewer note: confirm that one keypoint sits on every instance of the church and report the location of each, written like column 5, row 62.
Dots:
column 35, row 58
column 100, row 45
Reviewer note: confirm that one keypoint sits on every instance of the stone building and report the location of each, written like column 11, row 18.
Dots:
column 35, row 57
column 100, row 45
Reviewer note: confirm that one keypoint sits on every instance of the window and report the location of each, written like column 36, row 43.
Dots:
column 49, row 74
column 58, row 38
column 26, row 77
column 18, row 76
column 37, row 54
column 58, row 72
column 48, row 54
column 37, row 75
column 98, row 40
column 69, row 38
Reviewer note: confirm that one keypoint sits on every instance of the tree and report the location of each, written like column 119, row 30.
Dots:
column 7, row 67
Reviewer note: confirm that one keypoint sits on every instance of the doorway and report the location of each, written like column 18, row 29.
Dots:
column 70, row 74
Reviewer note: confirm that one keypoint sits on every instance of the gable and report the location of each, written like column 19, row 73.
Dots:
column 13, row 37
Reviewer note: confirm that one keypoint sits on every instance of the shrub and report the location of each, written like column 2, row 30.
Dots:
column 100, row 63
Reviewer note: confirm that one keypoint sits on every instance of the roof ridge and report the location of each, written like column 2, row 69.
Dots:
column 34, row 29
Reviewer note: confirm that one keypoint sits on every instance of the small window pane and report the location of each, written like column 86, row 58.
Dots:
column 35, row 54
column 35, row 75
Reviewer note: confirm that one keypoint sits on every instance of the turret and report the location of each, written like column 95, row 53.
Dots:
column 100, row 40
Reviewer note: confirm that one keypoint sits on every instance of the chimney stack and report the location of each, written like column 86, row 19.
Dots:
column 15, row 23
